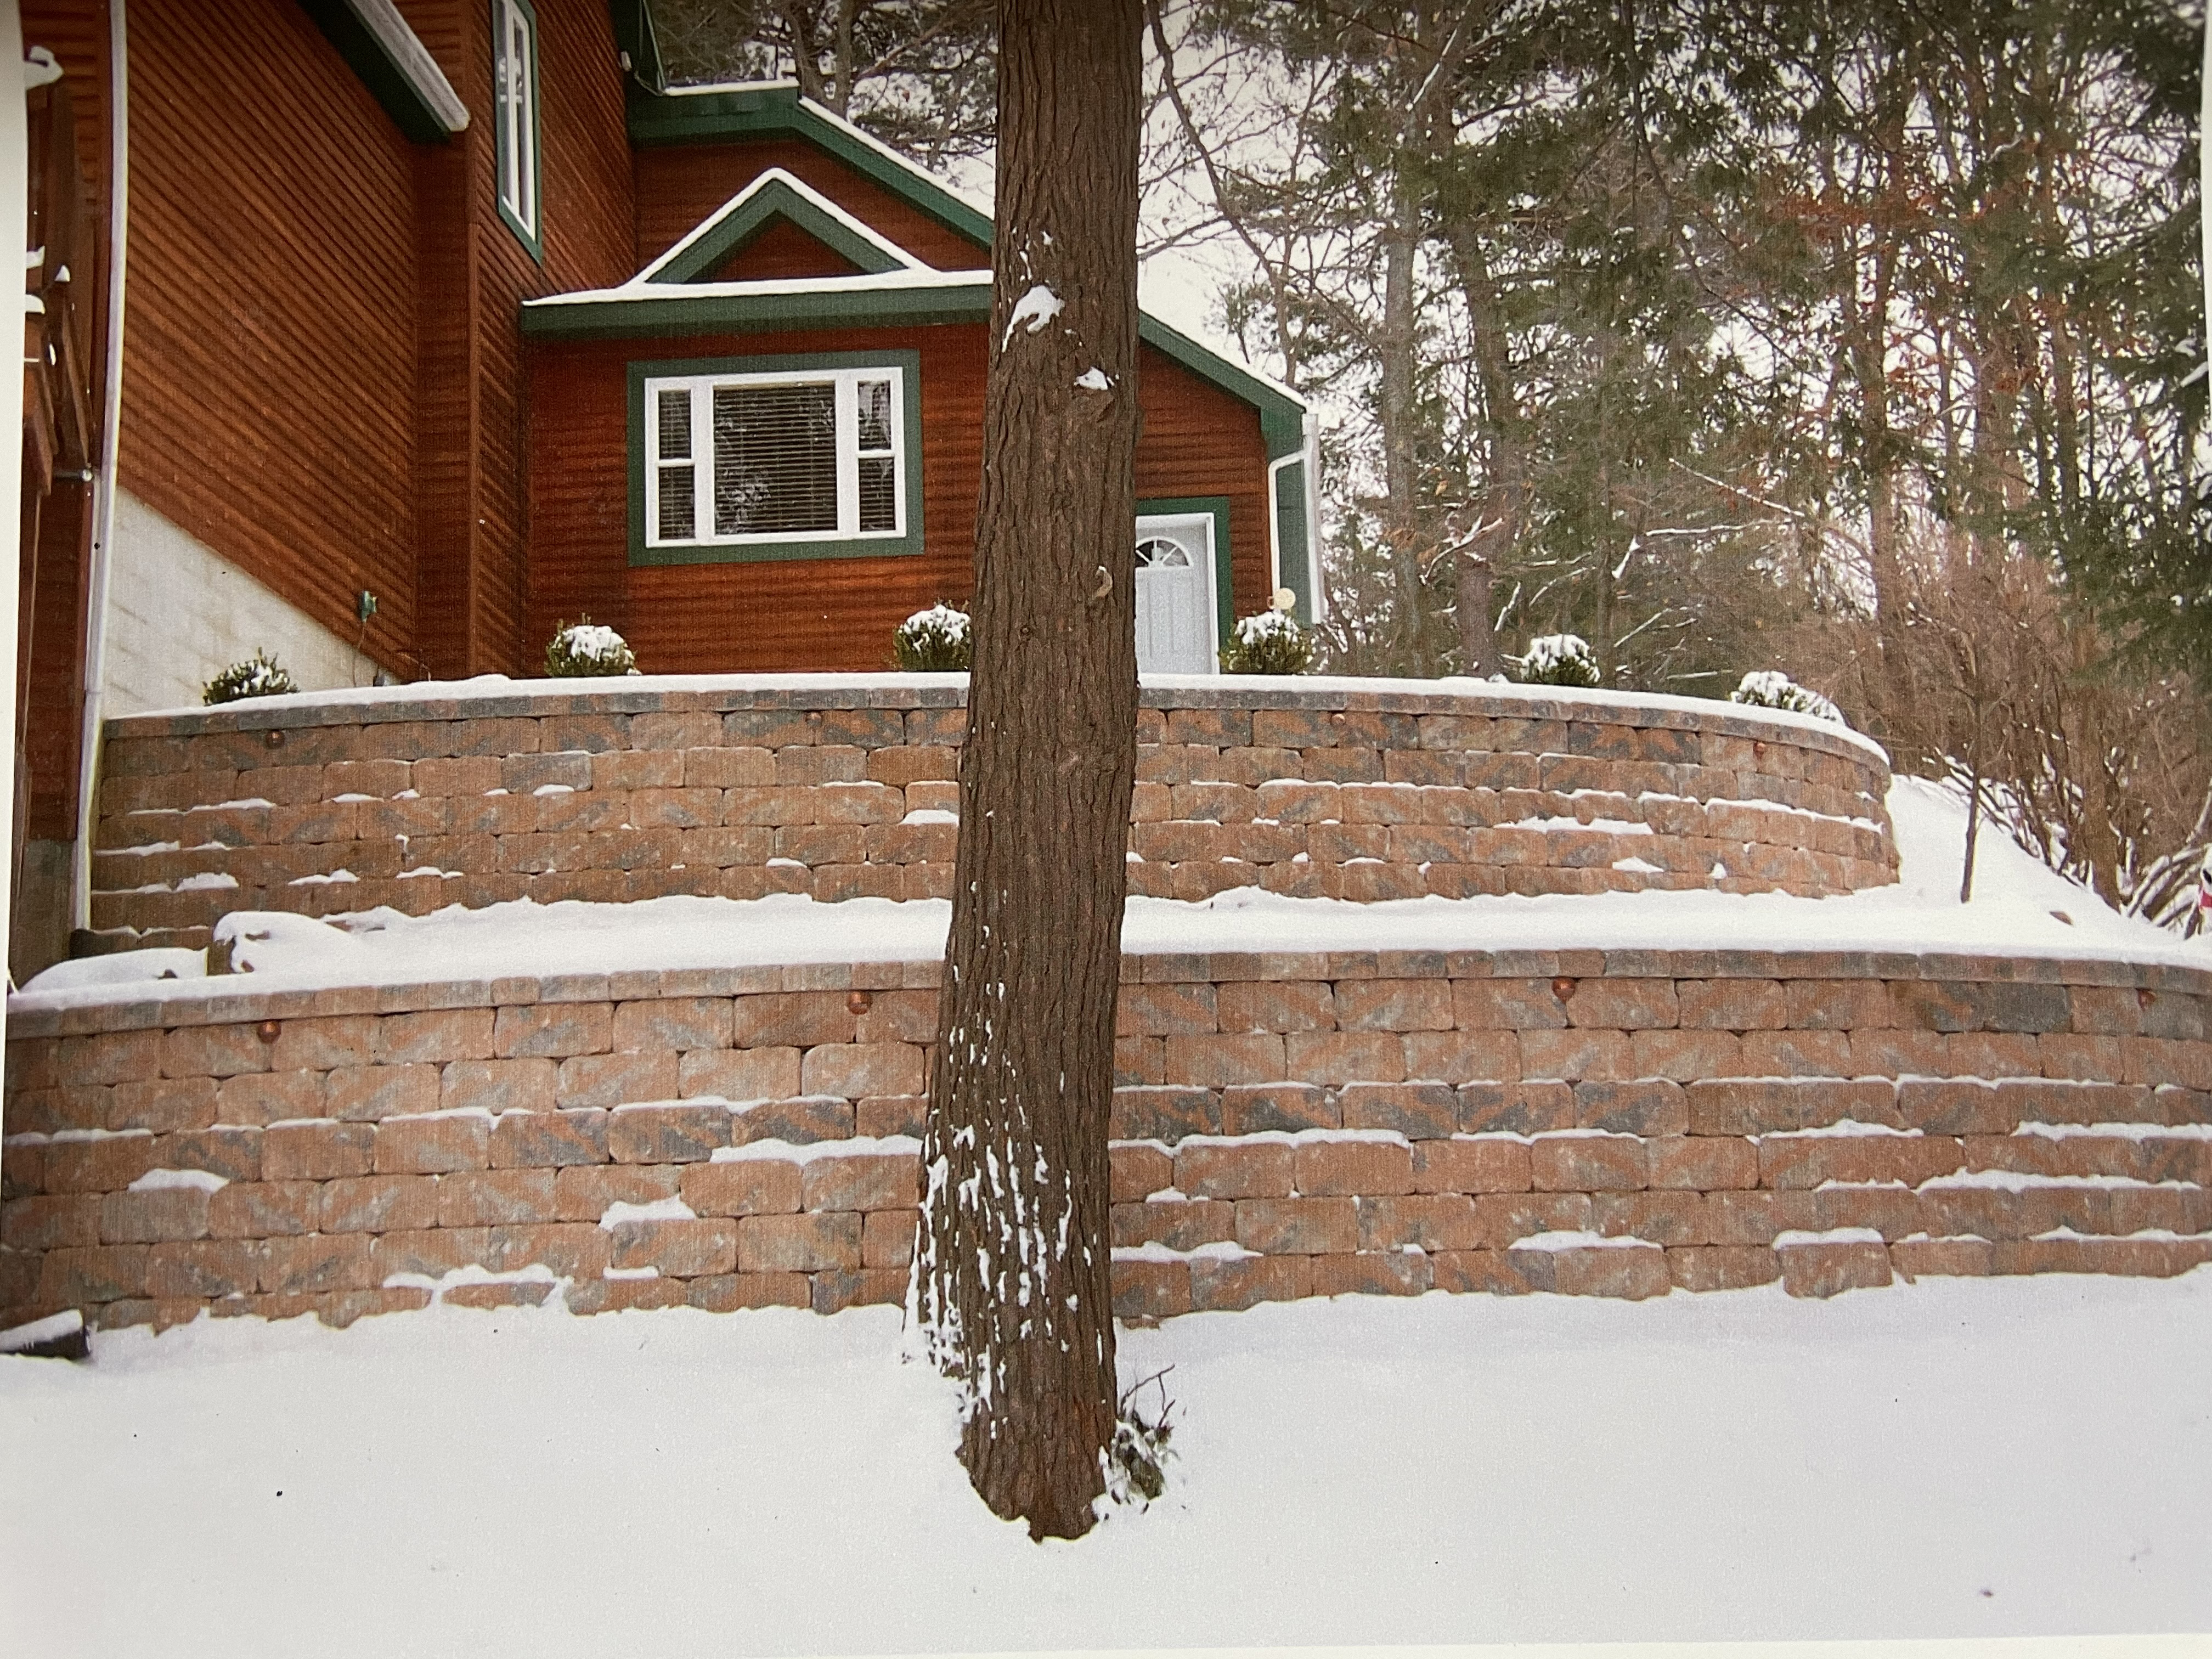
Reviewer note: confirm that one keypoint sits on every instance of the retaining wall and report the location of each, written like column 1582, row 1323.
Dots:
column 1613, row 1123
column 750, row 785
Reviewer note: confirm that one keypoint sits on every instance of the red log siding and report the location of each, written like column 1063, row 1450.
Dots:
column 477, row 274
column 838, row 613
column 783, row 250
column 678, row 185
column 268, row 395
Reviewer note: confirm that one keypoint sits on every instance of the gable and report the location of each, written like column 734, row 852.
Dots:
column 777, row 205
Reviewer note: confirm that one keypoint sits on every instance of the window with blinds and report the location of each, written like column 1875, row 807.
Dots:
column 775, row 457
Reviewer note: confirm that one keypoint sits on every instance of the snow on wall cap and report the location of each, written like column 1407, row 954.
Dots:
column 1563, row 1240
column 660, row 1209
column 806, row 1152
column 771, row 178
column 163, row 1181
column 1798, row 1237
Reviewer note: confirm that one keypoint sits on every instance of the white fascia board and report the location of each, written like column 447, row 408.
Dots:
column 889, row 282
column 806, row 192
column 382, row 18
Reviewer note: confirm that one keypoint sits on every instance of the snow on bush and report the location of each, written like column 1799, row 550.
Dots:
column 1270, row 643
column 932, row 641
column 1769, row 688
column 1557, row 659
column 258, row 676
column 583, row 648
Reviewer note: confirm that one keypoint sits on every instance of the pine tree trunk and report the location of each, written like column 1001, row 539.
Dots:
column 1012, row 1290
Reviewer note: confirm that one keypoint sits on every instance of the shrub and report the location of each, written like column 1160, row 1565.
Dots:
column 934, row 641
column 582, row 648
column 1768, row 688
column 1270, row 643
column 1557, row 659
column 259, row 676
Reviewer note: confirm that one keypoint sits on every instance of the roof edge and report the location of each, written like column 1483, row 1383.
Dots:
column 390, row 59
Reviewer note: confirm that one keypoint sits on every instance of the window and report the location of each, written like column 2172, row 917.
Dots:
column 514, row 124
column 783, row 461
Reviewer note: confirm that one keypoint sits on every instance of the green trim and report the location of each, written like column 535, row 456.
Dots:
column 1294, row 561
column 643, row 369
column 635, row 35
column 378, row 70
column 722, row 118
column 739, row 227
column 1224, row 602
column 681, row 314
column 531, row 239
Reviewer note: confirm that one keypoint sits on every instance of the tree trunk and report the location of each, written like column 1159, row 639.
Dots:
column 1477, row 645
column 1011, row 1291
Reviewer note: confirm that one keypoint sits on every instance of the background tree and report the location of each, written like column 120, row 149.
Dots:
column 1012, row 1288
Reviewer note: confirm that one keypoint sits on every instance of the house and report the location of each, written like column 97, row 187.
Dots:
column 442, row 322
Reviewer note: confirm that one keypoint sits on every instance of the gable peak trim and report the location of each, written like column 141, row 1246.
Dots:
column 777, row 194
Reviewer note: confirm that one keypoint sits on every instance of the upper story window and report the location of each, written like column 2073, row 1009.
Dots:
column 514, row 125
column 770, row 464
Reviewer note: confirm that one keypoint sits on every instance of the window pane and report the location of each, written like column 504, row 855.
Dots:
column 678, row 496
column 878, row 502
column 875, row 407
column 675, row 426
column 775, row 459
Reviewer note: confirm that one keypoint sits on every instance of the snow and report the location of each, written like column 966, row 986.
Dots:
column 2013, row 914
column 157, row 1181
column 1575, row 1239
column 1032, row 311
column 21, row 1337
column 660, row 1209
column 1936, row 1459
column 1093, row 379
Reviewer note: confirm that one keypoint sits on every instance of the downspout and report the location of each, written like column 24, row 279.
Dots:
column 15, row 221
column 1313, row 516
column 103, row 509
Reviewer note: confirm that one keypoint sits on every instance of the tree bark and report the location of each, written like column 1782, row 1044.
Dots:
column 1011, row 1291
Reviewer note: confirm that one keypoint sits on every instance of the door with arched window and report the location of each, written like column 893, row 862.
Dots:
column 1174, row 595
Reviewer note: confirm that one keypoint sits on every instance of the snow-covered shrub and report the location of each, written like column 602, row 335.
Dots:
column 934, row 641
column 1769, row 688
column 259, row 676
column 1270, row 643
column 582, row 648
column 1557, row 659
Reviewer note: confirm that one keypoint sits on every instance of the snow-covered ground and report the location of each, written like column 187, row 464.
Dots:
column 1950, row 1458
column 2020, row 908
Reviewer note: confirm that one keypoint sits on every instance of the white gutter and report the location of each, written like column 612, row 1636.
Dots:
column 103, row 499
column 412, row 58
column 14, row 217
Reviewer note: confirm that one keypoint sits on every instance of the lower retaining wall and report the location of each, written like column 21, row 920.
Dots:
column 1616, row 1123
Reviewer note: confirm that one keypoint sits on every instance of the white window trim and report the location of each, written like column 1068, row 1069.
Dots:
column 702, row 388
column 515, row 66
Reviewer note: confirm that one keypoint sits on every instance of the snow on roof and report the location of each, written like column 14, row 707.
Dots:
column 641, row 287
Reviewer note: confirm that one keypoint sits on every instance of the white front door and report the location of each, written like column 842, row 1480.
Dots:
column 1174, row 595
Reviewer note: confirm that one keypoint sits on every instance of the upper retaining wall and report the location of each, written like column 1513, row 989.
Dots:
column 843, row 787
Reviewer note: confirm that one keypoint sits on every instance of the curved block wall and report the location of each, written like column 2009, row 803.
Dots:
column 1614, row 1123
column 421, row 797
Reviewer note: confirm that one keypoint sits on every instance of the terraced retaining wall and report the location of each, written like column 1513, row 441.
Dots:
column 446, row 795
column 1615, row 1123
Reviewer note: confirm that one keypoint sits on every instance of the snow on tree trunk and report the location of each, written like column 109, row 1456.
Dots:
column 1010, row 1293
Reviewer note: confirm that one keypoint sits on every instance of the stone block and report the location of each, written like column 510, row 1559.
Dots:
column 263, row 1209
column 1521, row 1109
column 1226, row 1284
column 858, row 1069
column 1632, row 1272
column 1298, row 1226
column 233, row 1153
column 861, row 1180
column 1393, row 1005
column 1433, row 1221
column 802, row 1120
column 1648, row 1106
column 549, row 1139
column 1501, row 1219
column 1251, row 1108
column 434, row 1036
column 1828, row 1269
column 1587, row 1164
column 553, row 1030
column 1215, row 1061
column 837, row 1290
column 1177, row 1224
column 1701, row 1163
column 433, row 1145
column 730, row 1292
column 1150, row 1289
column 377, row 1204
column 368, row 1094
column 800, row 1244
column 1572, row 1056
column 314, row 1264
column 887, row 1238
column 154, row 1217
column 1470, row 1166
column 765, row 1074
column 583, row 1192
column 1386, row 1273
column 1259, row 1169
column 1336, row 1058
column 163, row 1105
column 1722, row 1266
column 1370, row 1168
column 1136, row 1171
column 666, row 1135
column 207, row 1266
column 485, row 1198
column 680, row 1249
column 615, row 1079
column 1247, row 1006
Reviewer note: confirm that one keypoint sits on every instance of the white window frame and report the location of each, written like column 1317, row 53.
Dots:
column 514, row 97
column 701, row 389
